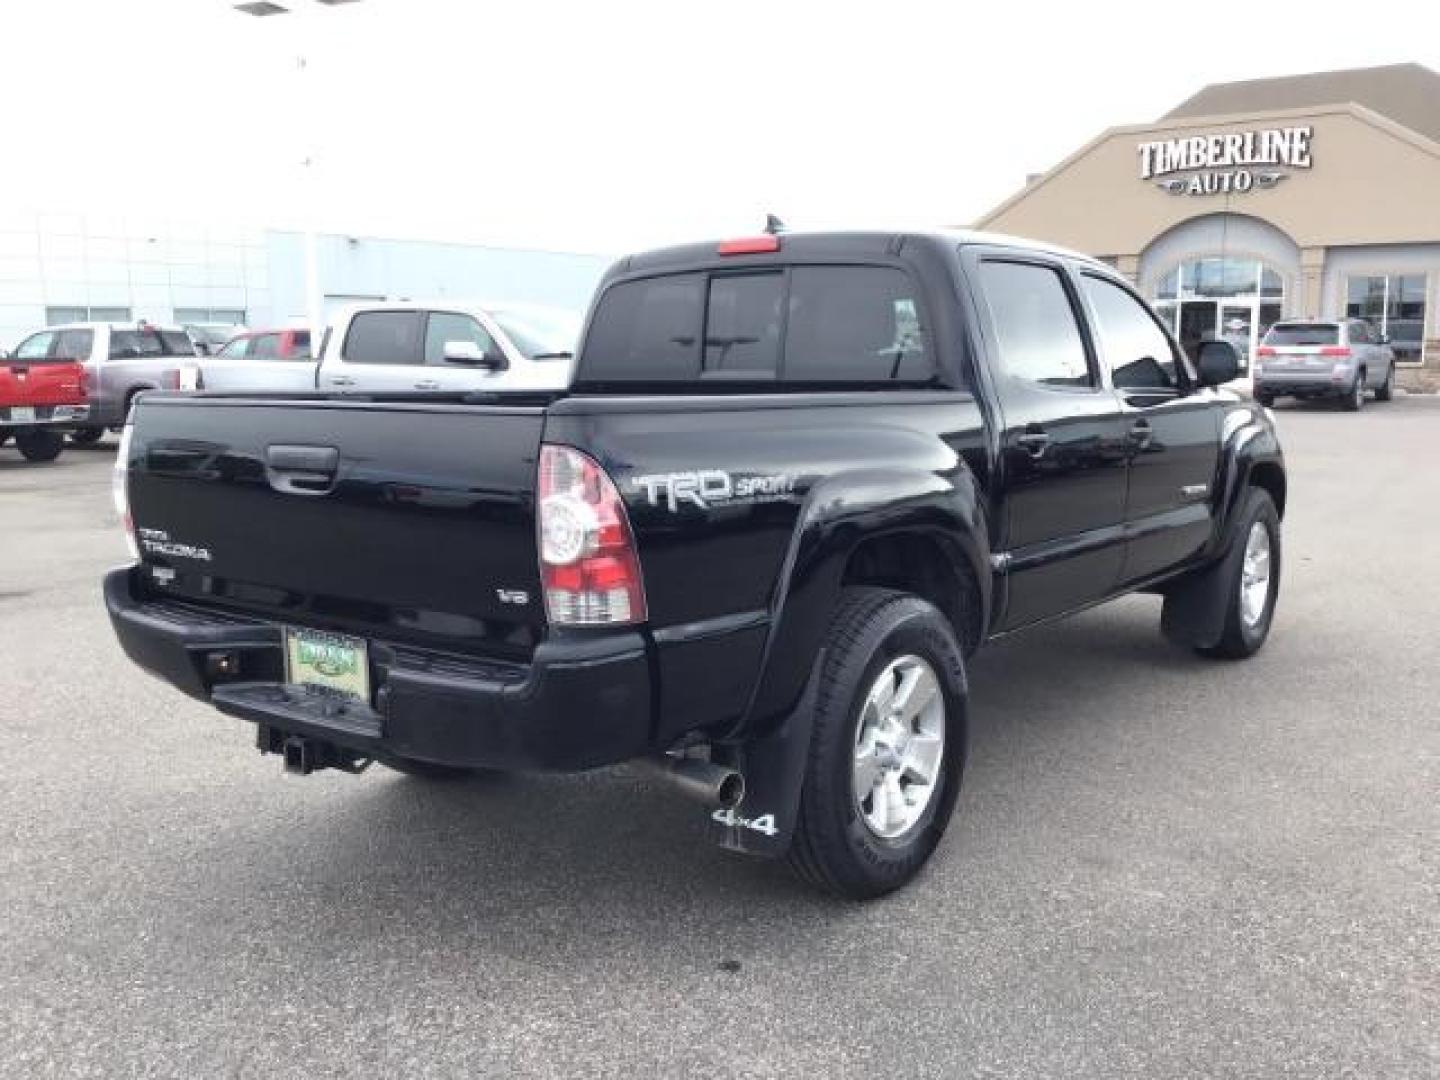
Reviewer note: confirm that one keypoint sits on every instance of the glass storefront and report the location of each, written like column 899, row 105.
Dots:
column 1395, row 305
column 1233, row 299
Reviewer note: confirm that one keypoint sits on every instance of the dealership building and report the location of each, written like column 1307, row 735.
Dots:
column 1310, row 196
column 57, row 268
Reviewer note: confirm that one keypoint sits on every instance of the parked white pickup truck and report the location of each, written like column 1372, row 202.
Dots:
column 410, row 345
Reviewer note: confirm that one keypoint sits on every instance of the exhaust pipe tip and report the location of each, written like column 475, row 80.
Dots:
column 731, row 790
column 705, row 781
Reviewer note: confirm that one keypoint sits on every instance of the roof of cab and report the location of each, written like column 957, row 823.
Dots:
column 830, row 243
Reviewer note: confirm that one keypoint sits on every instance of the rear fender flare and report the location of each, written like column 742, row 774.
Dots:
column 770, row 745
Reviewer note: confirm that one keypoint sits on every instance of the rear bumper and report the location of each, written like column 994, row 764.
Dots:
column 578, row 704
column 1307, row 384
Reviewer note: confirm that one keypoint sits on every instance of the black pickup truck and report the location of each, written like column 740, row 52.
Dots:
column 798, row 479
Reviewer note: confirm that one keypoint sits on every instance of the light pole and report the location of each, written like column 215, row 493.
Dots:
column 315, row 308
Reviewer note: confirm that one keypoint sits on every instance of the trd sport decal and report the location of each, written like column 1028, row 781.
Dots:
column 711, row 487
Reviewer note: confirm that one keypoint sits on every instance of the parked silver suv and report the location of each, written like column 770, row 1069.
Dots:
column 1341, row 359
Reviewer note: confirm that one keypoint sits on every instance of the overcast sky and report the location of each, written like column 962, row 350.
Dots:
column 609, row 126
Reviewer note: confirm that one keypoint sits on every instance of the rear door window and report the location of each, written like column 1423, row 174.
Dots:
column 177, row 343
column 1303, row 334
column 854, row 324
column 384, row 337
column 134, row 344
column 300, row 345
column 1037, row 334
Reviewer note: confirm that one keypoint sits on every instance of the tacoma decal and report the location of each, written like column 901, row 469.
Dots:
column 158, row 542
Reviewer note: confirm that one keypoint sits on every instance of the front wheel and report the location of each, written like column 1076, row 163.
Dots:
column 1387, row 388
column 39, row 445
column 1253, row 582
column 887, row 745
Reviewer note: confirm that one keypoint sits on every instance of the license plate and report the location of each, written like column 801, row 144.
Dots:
column 333, row 662
column 22, row 414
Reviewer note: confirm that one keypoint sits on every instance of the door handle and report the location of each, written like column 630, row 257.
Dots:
column 341, row 380
column 427, row 384
column 302, row 470
column 1034, row 443
column 1141, row 433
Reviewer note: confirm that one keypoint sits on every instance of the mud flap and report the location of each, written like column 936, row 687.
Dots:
column 774, row 770
column 1195, row 607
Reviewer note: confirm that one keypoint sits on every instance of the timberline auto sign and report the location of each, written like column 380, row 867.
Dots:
column 1231, row 160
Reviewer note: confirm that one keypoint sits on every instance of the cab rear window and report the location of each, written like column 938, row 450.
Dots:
column 803, row 325
column 1303, row 334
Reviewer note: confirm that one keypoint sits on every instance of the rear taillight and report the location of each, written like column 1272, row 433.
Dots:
column 1335, row 350
column 588, row 564
column 170, row 380
column 1265, row 350
column 120, row 493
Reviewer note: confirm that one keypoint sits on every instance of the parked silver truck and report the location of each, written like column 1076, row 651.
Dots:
column 122, row 360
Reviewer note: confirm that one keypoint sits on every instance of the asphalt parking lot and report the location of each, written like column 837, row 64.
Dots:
column 1160, row 865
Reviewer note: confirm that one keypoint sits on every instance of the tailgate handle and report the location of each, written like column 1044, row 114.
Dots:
column 302, row 470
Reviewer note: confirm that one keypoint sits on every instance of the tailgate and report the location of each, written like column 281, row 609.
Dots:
column 39, row 382
column 396, row 521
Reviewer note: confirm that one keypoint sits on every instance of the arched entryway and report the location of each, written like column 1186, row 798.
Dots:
column 1224, row 276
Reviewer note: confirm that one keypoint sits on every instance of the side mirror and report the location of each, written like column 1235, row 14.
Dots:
column 469, row 352
column 1217, row 362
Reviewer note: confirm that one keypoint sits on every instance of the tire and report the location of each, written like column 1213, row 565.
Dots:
column 1247, row 628
column 1355, row 396
column 880, row 638
column 429, row 770
column 1386, row 392
column 39, row 445
column 87, row 436
column 1265, row 400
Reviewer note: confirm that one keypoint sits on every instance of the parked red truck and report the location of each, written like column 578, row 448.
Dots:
column 44, row 393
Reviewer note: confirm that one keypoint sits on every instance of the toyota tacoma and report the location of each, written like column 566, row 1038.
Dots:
column 797, row 480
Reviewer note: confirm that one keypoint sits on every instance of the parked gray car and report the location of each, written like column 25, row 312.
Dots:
column 122, row 359
column 1342, row 359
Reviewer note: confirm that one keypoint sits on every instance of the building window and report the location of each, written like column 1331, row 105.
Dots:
column 223, row 316
column 1395, row 305
column 55, row 316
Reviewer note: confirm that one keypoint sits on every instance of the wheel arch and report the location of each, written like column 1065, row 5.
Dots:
column 910, row 530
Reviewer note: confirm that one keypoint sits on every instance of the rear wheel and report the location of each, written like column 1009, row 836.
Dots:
column 1387, row 388
column 887, row 747
column 1253, row 583
column 1355, row 398
column 39, row 444
column 1265, row 400
column 87, row 436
